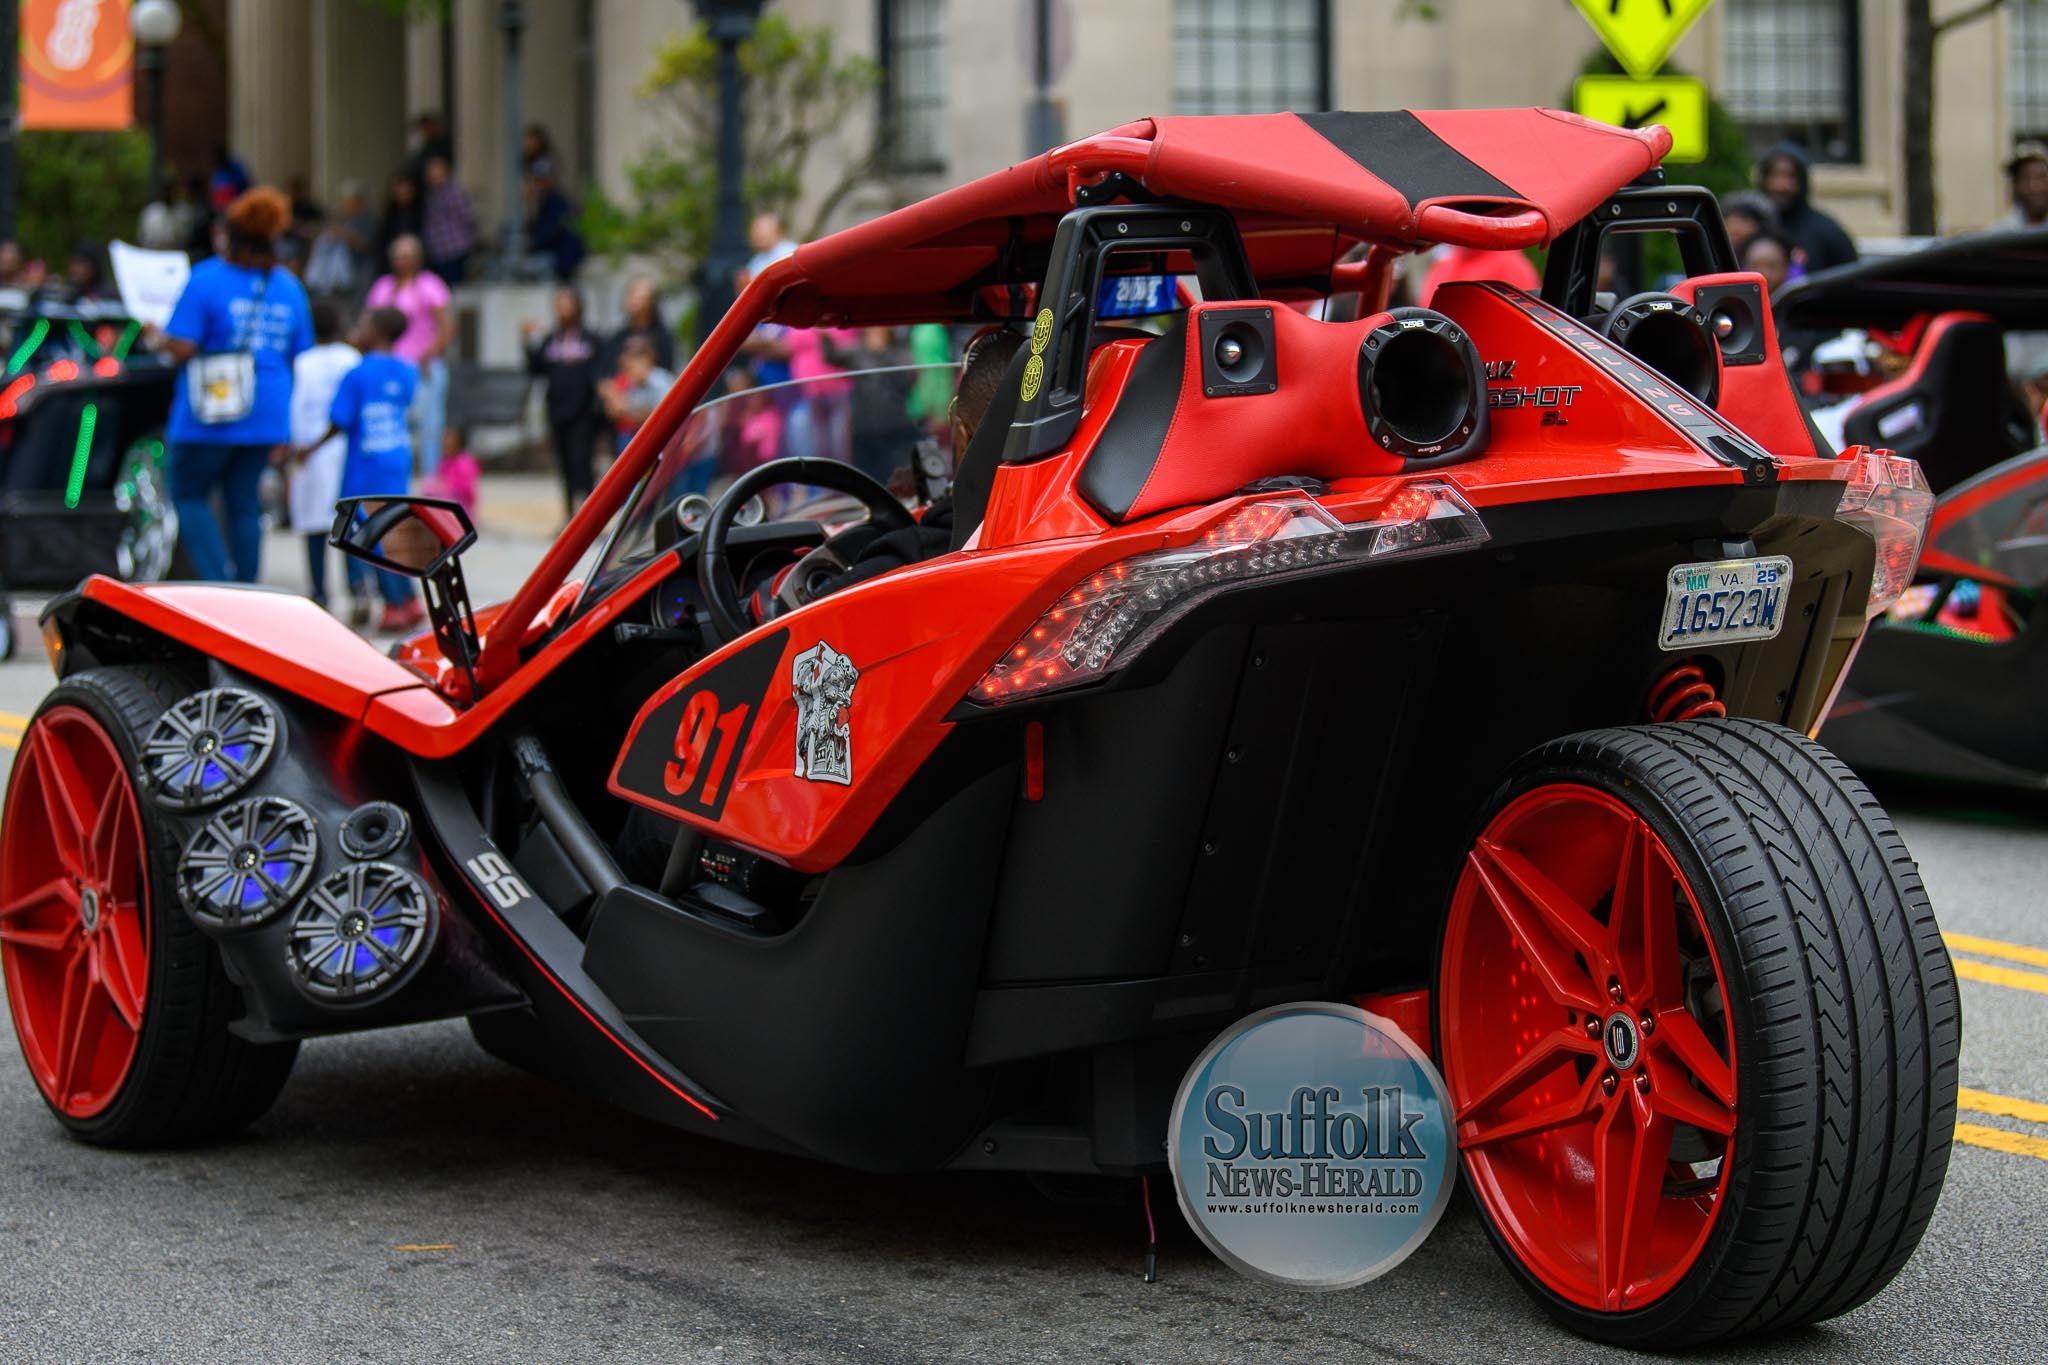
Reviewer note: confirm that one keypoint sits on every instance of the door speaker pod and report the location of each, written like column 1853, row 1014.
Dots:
column 248, row 862
column 1673, row 338
column 209, row 746
column 359, row 933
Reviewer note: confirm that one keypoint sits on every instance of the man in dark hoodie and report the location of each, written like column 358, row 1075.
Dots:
column 1783, row 175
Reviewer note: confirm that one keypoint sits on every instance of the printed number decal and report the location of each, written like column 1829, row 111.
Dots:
column 498, row 880
column 703, row 732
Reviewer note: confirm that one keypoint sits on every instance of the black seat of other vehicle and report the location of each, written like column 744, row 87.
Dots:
column 1950, row 410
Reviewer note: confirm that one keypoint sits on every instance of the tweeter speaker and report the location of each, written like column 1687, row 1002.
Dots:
column 1735, row 316
column 1670, row 336
column 356, row 934
column 1422, row 389
column 1238, row 356
column 375, row 830
column 248, row 862
column 209, row 746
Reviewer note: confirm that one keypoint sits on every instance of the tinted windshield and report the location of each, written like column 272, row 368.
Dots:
column 869, row 418
column 2007, row 534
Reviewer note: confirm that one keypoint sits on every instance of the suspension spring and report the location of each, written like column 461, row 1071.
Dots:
column 1684, row 693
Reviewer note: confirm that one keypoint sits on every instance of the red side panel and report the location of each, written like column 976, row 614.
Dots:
column 792, row 740
column 1759, row 398
column 1311, row 424
column 279, row 637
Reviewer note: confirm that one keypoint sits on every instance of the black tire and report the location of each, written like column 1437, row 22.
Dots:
column 192, row 1080
column 1842, row 1006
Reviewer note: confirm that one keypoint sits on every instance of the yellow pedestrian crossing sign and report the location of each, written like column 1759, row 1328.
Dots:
column 1641, row 33
column 1677, row 102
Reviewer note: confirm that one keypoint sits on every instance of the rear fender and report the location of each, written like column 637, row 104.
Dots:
column 279, row 637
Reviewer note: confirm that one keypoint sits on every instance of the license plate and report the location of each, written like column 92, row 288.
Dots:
column 1725, row 602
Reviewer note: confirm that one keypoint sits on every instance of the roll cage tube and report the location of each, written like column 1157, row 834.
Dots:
column 499, row 658
column 1689, row 212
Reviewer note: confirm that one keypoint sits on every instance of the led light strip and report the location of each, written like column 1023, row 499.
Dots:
column 81, row 454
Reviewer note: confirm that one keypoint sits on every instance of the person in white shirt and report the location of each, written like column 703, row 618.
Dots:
column 316, row 483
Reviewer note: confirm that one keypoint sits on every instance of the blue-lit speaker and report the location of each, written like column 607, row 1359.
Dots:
column 209, row 746
column 248, row 862
column 356, row 933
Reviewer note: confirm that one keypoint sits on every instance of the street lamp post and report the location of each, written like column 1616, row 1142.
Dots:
column 155, row 24
column 730, row 22
column 512, row 23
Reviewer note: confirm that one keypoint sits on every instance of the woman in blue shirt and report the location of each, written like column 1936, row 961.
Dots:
column 238, row 326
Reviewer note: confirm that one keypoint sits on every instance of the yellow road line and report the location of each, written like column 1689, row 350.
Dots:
column 10, row 742
column 8, row 718
column 1999, row 1140
column 1991, row 947
column 2014, row 977
column 1985, row 1102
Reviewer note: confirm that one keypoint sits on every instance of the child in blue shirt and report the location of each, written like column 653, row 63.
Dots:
column 370, row 408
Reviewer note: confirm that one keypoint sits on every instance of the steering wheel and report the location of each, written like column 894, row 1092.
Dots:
column 714, row 575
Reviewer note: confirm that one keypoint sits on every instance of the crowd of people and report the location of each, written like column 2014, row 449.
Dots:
column 339, row 325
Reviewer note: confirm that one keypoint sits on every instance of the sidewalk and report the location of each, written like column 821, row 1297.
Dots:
column 518, row 516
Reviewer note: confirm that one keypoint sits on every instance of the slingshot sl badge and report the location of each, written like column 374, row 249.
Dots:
column 1311, row 1146
column 822, row 682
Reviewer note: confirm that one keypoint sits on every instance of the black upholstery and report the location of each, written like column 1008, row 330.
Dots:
column 1952, row 416
column 1131, row 440
column 975, row 476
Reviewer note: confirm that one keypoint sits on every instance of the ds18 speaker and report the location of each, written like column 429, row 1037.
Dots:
column 209, row 746
column 375, row 830
column 1238, row 355
column 356, row 933
column 1735, row 317
column 1670, row 336
column 248, row 862
column 1422, row 388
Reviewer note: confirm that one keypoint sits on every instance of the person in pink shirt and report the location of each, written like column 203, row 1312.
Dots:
column 826, row 415
column 459, row 473
column 423, row 297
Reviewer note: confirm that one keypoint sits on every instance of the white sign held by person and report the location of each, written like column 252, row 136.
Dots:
column 149, row 281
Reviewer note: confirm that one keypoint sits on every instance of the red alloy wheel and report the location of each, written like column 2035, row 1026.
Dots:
column 1584, row 1019
column 74, row 911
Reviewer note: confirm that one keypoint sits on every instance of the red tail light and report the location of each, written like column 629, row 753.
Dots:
column 1887, row 498
column 1108, row 618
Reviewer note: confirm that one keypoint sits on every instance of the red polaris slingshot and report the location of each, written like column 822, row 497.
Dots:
column 1457, row 662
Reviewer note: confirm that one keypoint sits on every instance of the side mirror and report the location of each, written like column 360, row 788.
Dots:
column 419, row 538
column 416, row 537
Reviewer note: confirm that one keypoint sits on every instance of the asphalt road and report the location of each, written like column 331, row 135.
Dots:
column 409, row 1198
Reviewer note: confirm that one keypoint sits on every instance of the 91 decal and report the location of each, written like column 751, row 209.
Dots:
column 685, row 746
column 705, row 745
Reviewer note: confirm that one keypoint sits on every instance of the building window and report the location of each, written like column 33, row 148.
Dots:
column 1790, row 73
column 1250, row 56
column 2028, row 70
column 913, row 47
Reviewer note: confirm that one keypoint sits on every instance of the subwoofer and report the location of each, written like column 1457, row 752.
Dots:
column 209, row 746
column 1422, row 387
column 1673, row 338
column 248, row 862
column 358, row 933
